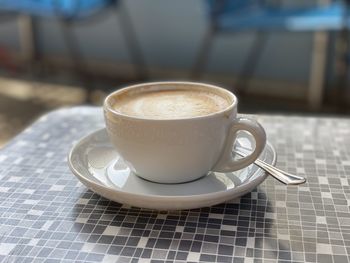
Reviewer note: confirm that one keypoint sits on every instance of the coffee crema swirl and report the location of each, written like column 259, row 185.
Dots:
column 170, row 104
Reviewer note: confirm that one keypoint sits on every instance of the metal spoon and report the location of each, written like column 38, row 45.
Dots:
column 280, row 175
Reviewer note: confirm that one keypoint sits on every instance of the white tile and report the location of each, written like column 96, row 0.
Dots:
column 28, row 191
column 323, row 248
column 344, row 181
column 47, row 225
column 88, row 247
column 111, row 259
column 161, row 216
column 111, row 230
column 56, row 188
column 30, row 202
column 270, row 215
column 250, row 242
column 179, row 228
column 218, row 216
column 14, row 179
column 3, row 158
column 46, row 136
column 18, row 160
column 300, row 170
column 22, row 143
column 35, row 212
column 81, row 220
column 5, row 248
column 4, row 189
column 299, row 155
column 42, row 145
column 228, row 227
column 254, row 195
column 283, row 236
column 322, row 180
column 49, row 154
column 308, row 147
column 43, row 118
column 321, row 220
column 82, row 201
column 280, row 203
column 320, row 161
column 326, row 195
column 33, row 242
column 336, row 152
column 345, row 162
column 142, row 242
column 192, row 256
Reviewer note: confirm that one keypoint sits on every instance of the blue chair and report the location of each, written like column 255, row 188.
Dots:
column 262, row 16
column 79, row 11
column 48, row 8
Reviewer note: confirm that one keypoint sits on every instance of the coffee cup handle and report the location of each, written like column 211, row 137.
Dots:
column 227, row 163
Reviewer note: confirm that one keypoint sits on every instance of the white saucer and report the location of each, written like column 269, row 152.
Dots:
column 97, row 165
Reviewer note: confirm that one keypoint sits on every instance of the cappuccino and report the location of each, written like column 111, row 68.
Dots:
column 176, row 132
column 170, row 104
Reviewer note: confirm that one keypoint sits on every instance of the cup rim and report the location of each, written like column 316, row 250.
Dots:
column 233, row 104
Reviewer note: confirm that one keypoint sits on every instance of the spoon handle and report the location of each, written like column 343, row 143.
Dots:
column 280, row 175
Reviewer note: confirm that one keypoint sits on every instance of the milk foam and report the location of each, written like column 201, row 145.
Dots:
column 170, row 104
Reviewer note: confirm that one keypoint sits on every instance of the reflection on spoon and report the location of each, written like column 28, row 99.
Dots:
column 278, row 174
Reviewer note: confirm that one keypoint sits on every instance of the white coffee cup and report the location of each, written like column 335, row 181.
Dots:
column 182, row 149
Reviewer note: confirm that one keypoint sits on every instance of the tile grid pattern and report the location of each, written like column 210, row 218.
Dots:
column 46, row 215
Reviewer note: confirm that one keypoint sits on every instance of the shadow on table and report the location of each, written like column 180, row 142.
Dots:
column 241, row 228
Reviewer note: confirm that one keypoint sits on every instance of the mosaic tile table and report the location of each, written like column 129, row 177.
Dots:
column 46, row 215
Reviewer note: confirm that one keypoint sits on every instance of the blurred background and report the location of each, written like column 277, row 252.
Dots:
column 283, row 57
